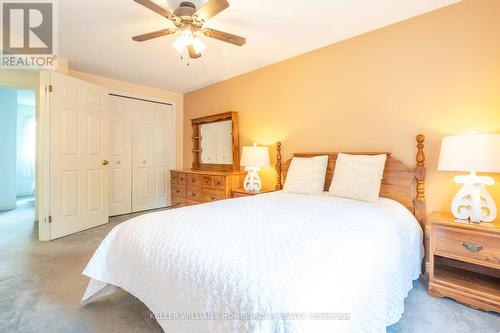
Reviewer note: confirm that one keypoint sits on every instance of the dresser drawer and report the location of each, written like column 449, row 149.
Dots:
column 480, row 247
column 193, row 180
column 181, row 178
column 207, row 181
column 218, row 182
column 214, row 182
column 178, row 202
column 173, row 177
column 179, row 191
column 194, row 194
column 208, row 196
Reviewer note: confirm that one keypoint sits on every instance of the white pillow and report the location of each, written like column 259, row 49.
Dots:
column 306, row 175
column 358, row 176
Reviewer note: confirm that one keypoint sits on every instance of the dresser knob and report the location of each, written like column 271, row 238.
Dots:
column 473, row 247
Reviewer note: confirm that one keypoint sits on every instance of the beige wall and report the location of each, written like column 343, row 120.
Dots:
column 436, row 74
column 28, row 79
column 143, row 91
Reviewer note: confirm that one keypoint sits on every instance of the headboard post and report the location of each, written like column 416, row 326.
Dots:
column 279, row 185
column 420, row 212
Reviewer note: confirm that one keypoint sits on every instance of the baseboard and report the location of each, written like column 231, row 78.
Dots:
column 8, row 207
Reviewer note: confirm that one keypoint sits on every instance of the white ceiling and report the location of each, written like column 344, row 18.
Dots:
column 95, row 35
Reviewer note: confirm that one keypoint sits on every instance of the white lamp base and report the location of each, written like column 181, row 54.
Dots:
column 473, row 200
column 252, row 182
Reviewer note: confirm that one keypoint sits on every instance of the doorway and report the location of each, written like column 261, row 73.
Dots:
column 17, row 155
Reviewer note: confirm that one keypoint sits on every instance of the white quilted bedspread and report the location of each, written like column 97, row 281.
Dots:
column 275, row 260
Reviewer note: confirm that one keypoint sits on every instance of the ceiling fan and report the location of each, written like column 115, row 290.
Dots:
column 190, row 22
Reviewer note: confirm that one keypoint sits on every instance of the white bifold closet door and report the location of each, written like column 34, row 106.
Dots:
column 120, row 157
column 141, row 155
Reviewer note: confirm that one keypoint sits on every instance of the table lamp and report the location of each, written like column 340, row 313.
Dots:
column 253, row 158
column 472, row 153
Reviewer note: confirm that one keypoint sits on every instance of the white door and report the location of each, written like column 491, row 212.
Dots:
column 151, row 155
column 78, row 145
column 120, row 156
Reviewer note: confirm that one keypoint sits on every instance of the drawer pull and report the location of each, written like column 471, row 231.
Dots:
column 177, row 191
column 473, row 247
column 213, row 197
column 193, row 194
column 193, row 180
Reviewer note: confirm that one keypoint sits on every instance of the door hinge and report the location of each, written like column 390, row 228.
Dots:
column 50, row 219
column 51, row 88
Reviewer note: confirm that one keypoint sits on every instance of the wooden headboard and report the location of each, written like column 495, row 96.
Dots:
column 400, row 183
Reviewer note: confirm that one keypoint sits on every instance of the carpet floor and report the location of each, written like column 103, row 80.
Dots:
column 41, row 286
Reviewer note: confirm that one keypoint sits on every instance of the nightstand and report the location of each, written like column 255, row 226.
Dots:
column 465, row 261
column 239, row 193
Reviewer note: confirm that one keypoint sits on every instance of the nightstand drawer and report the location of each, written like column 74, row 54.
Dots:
column 469, row 245
column 240, row 195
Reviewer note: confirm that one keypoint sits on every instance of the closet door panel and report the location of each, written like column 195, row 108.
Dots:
column 151, row 156
column 121, row 156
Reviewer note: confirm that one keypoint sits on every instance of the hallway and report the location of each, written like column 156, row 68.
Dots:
column 18, row 225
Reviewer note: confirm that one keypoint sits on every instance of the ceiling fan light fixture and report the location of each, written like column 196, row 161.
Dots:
column 179, row 45
column 189, row 24
column 198, row 45
column 183, row 41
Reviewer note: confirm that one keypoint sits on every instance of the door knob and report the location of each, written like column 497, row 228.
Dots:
column 105, row 162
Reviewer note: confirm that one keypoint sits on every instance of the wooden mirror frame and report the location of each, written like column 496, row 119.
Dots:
column 196, row 138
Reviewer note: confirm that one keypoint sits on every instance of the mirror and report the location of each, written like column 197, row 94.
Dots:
column 216, row 143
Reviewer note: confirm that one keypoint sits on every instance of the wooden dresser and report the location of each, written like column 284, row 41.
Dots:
column 465, row 261
column 190, row 187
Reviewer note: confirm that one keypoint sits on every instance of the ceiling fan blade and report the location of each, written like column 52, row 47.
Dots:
column 211, row 8
column 192, row 52
column 155, row 7
column 154, row 34
column 225, row 37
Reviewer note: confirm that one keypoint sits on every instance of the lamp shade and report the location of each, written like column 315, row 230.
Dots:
column 470, row 153
column 253, row 156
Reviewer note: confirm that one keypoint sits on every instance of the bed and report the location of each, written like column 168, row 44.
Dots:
column 276, row 262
